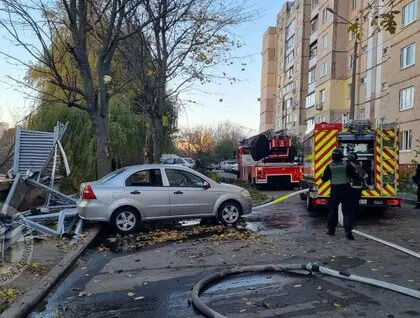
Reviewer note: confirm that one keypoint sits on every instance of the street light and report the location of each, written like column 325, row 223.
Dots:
column 353, row 71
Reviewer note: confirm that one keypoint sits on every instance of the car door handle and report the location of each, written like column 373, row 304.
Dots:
column 178, row 192
column 135, row 192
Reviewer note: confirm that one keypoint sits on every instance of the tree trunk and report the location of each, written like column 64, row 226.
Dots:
column 102, row 147
column 157, row 138
column 148, row 146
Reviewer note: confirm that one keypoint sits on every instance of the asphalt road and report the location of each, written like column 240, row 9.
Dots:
column 161, row 276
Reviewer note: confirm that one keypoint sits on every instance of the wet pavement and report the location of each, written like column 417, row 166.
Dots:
column 112, row 280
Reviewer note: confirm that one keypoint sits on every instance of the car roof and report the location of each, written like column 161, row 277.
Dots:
column 155, row 166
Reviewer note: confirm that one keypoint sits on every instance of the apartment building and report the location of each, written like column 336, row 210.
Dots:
column 387, row 70
column 285, row 69
column 400, row 75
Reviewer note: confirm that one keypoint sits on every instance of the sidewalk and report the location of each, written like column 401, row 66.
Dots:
column 50, row 259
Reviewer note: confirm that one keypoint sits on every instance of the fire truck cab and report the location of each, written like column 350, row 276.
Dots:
column 268, row 158
column 378, row 155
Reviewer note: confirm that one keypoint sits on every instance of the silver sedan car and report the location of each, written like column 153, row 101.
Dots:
column 134, row 194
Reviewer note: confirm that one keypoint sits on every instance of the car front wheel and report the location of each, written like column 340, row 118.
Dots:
column 229, row 212
column 125, row 220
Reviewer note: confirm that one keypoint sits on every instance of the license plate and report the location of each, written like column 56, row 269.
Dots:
column 363, row 201
column 377, row 202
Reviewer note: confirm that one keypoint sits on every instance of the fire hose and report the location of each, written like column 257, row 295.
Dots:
column 296, row 268
column 310, row 268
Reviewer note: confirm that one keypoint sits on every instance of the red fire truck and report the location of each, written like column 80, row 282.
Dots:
column 268, row 158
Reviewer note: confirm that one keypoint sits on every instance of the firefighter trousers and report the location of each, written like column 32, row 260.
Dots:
column 341, row 194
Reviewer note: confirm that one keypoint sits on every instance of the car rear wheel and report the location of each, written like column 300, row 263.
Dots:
column 229, row 212
column 125, row 220
column 309, row 203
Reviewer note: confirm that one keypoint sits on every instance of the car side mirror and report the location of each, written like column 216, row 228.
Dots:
column 206, row 185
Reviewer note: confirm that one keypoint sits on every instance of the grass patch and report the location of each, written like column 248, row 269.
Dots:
column 258, row 197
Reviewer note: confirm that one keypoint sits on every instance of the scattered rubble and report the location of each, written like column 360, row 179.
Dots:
column 33, row 200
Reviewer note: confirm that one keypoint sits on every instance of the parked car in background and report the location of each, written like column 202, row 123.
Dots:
column 186, row 162
column 166, row 156
column 190, row 163
column 135, row 194
column 228, row 165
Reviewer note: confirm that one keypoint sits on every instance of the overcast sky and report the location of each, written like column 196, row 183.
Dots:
column 239, row 104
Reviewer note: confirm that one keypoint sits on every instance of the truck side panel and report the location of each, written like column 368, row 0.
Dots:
column 325, row 141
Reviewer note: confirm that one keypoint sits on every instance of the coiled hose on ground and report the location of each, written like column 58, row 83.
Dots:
column 214, row 278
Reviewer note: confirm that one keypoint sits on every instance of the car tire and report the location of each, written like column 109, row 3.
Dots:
column 125, row 220
column 229, row 213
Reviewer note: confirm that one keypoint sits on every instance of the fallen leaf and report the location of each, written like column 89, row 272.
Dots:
column 83, row 268
column 139, row 298
column 369, row 261
column 242, row 310
column 87, row 275
column 81, row 294
column 319, row 288
column 374, row 269
column 411, row 280
column 130, row 294
column 337, row 305
column 297, row 286
column 144, row 284
column 96, row 280
column 112, row 239
column 266, row 304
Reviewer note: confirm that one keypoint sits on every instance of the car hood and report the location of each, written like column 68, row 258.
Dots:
column 229, row 187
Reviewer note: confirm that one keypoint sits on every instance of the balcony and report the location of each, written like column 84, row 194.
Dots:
column 311, row 87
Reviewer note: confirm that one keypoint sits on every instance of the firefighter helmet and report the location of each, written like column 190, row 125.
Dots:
column 337, row 154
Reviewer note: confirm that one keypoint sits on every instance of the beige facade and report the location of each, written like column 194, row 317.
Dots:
column 284, row 70
column 387, row 68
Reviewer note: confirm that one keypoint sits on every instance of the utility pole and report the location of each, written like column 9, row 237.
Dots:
column 353, row 80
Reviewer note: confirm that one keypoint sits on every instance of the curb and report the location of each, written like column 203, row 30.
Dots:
column 31, row 298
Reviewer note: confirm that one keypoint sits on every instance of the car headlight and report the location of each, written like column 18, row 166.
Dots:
column 245, row 193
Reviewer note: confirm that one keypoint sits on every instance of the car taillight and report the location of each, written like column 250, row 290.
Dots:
column 321, row 201
column 393, row 202
column 88, row 193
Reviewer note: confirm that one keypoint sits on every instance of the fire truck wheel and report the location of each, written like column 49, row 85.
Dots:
column 229, row 212
column 309, row 203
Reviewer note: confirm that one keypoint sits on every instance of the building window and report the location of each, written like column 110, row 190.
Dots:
column 324, row 69
column 363, row 80
column 408, row 55
column 290, row 57
column 288, row 87
column 290, row 42
column 322, row 119
column 407, row 98
column 289, row 72
column 409, row 13
column 362, row 113
column 353, row 4
column 312, row 76
column 314, row 3
column 310, row 100
column 350, row 61
column 349, row 91
column 310, row 124
column 322, row 96
column 325, row 41
column 385, row 51
column 290, row 29
column 325, row 15
column 313, row 48
column 406, row 140
column 289, row 103
column 314, row 24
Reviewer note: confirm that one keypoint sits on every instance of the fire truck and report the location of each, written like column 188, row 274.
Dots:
column 378, row 154
column 268, row 158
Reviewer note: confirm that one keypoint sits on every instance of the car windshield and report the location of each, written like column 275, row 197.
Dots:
column 111, row 175
column 189, row 160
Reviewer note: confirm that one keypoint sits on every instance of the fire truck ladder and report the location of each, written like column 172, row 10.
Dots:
column 391, row 145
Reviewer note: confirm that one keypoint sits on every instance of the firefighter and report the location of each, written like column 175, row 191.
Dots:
column 340, row 175
column 416, row 180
